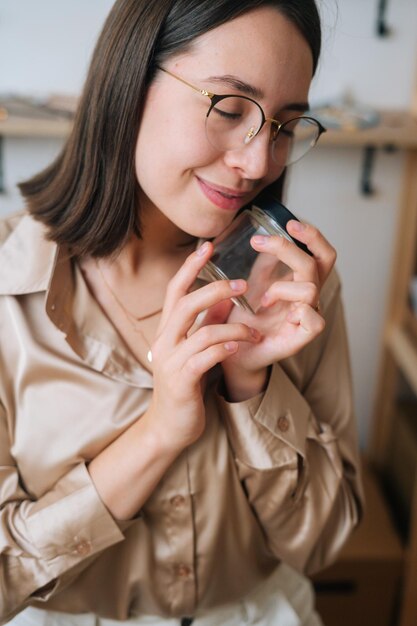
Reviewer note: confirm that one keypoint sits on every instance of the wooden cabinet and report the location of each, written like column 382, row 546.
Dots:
column 398, row 363
column 393, row 442
column 361, row 588
column 398, row 360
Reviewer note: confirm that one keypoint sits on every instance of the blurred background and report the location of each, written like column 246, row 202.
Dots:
column 357, row 186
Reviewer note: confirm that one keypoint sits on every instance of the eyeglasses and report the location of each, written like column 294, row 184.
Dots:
column 232, row 122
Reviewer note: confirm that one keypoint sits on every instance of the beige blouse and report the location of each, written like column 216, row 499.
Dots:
column 272, row 478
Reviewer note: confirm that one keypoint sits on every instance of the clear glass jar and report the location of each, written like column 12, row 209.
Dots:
column 234, row 257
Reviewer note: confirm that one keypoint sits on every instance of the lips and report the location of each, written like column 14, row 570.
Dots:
column 223, row 197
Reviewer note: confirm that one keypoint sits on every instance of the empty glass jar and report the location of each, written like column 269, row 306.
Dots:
column 234, row 257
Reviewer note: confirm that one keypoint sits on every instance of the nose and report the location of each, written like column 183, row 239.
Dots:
column 253, row 159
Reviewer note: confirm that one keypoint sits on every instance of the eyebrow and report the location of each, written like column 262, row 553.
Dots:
column 253, row 92
column 236, row 83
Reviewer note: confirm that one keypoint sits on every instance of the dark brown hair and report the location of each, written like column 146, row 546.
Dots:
column 88, row 197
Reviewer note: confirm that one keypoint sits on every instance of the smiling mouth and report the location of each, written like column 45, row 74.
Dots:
column 224, row 191
column 222, row 197
column 227, row 195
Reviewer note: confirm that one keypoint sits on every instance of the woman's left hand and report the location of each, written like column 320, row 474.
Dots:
column 289, row 317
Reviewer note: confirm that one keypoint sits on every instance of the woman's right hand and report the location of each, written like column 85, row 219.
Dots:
column 124, row 478
column 181, row 358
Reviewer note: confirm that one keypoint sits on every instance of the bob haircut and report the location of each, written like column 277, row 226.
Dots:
column 88, row 197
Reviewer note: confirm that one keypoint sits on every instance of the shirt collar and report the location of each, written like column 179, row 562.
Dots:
column 29, row 263
column 27, row 259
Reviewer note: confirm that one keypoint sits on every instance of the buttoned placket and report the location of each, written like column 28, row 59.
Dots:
column 179, row 530
column 170, row 507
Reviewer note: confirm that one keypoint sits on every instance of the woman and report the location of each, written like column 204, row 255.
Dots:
column 153, row 468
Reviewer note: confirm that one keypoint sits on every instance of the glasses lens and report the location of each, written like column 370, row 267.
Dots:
column 232, row 122
column 295, row 138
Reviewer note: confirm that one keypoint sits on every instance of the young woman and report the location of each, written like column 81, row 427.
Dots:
column 156, row 468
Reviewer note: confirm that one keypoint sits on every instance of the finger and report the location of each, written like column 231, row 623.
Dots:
column 208, row 336
column 183, row 280
column 186, row 310
column 198, row 364
column 291, row 291
column 323, row 252
column 308, row 319
column 303, row 265
column 216, row 314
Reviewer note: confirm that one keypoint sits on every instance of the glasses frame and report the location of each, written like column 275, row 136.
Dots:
column 276, row 125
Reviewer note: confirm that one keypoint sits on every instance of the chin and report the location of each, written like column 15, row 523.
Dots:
column 207, row 230
column 206, row 233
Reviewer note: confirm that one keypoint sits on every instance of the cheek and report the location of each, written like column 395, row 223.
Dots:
column 166, row 161
column 156, row 132
column 170, row 136
column 171, row 151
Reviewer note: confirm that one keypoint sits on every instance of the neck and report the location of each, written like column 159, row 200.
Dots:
column 136, row 280
column 161, row 242
column 159, row 252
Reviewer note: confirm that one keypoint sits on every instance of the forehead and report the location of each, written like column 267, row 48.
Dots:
column 262, row 47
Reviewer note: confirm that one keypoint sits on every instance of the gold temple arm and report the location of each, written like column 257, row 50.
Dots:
column 203, row 92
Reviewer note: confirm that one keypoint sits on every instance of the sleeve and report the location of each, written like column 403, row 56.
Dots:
column 42, row 540
column 296, row 450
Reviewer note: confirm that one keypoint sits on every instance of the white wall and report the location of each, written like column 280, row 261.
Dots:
column 380, row 72
column 45, row 47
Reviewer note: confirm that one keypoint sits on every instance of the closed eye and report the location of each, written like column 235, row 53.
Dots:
column 227, row 115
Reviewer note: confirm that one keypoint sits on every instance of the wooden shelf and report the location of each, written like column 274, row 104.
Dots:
column 33, row 127
column 397, row 129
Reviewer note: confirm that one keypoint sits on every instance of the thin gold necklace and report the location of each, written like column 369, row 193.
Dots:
column 133, row 319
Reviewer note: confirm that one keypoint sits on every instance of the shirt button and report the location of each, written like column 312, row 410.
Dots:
column 177, row 501
column 183, row 571
column 83, row 548
column 283, row 424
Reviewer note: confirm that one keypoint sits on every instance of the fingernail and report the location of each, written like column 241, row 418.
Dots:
column 259, row 240
column 298, row 226
column 231, row 346
column 201, row 251
column 237, row 285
